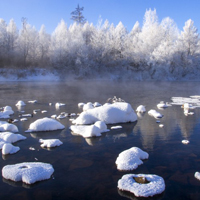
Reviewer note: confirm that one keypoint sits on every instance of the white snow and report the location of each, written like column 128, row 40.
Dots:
column 32, row 101
column 54, row 116
column 155, row 186
column 141, row 109
column 131, row 158
column 7, row 111
column 80, row 105
column 44, row 111
column 162, row 104
column 155, row 114
column 50, row 143
column 20, row 103
column 23, row 119
column 57, row 105
column 197, row 175
column 119, row 112
column 115, row 127
column 5, row 126
column 11, row 137
column 185, row 141
column 161, row 125
column 88, row 106
column 28, row 172
column 45, row 124
column 9, row 149
column 96, row 104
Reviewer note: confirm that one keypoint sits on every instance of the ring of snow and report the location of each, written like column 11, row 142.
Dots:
column 28, row 172
column 155, row 186
column 131, row 158
column 45, row 124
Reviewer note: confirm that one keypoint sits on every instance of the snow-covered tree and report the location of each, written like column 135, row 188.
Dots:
column 77, row 15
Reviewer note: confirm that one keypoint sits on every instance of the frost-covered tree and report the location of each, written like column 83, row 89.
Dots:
column 77, row 15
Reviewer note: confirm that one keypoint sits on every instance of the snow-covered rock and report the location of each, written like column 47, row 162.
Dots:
column 32, row 101
column 197, row 175
column 28, row 172
column 185, row 141
column 141, row 109
column 50, row 143
column 5, row 126
column 9, row 149
column 155, row 185
column 45, row 124
column 155, row 114
column 58, row 105
column 119, row 112
column 11, row 137
column 7, row 111
column 80, row 105
column 88, row 106
column 131, row 158
column 20, row 103
column 115, row 127
column 96, row 104
column 101, row 125
column 162, row 104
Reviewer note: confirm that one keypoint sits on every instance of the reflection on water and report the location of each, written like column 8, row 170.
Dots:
column 85, row 167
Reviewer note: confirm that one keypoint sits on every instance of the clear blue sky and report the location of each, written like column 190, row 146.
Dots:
column 50, row 12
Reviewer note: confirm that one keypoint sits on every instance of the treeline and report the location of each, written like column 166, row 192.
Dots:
column 155, row 49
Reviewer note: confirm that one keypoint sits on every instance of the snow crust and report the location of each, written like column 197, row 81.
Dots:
column 50, row 143
column 155, row 114
column 28, row 172
column 155, row 186
column 119, row 112
column 45, row 124
column 9, row 149
column 141, row 109
column 131, row 158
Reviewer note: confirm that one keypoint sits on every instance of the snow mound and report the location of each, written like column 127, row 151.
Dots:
column 5, row 126
column 119, row 112
column 131, row 158
column 45, row 124
column 50, row 143
column 9, row 149
column 162, row 104
column 141, row 109
column 185, row 141
column 96, row 104
column 28, row 172
column 11, row 137
column 197, row 175
column 32, row 101
column 155, row 114
column 7, row 111
column 155, row 185
column 20, row 103
column 88, row 106
column 57, row 105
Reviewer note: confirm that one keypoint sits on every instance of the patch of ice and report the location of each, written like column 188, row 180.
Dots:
column 9, row 149
column 141, row 109
column 155, row 185
column 155, row 114
column 28, row 172
column 45, row 124
column 50, row 143
column 131, row 158
column 20, row 103
column 119, row 112
column 11, row 137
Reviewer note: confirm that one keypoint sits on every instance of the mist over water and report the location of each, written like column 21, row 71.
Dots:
column 85, row 168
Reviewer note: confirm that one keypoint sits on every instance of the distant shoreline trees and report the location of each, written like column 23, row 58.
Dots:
column 152, row 50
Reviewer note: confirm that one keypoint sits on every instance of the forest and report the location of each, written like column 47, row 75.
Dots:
column 153, row 50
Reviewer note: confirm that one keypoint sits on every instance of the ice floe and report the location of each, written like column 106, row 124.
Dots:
column 119, row 112
column 11, row 137
column 154, row 184
column 45, row 124
column 141, row 109
column 9, row 149
column 155, row 114
column 20, row 103
column 5, row 126
column 28, row 172
column 50, row 143
column 131, row 158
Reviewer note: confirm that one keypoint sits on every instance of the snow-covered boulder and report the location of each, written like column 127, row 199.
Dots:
column 5, row 126
column 58, row 105
column 119, row 112
column 28, row 172
column 20, row 103
column 197, row 175
column 11, row 137
column 8, row 110
column 162, row 104
column 50, row 143
column 96, row 104
column 88, row 106
column 80, row 105
column 155, row 114
column 131, row 158
column 9, row 149
column 101, row 125
column 141, row 109
column 155, row 184
column 45, row 124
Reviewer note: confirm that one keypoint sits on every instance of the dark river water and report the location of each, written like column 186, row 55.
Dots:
column 85, row 168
